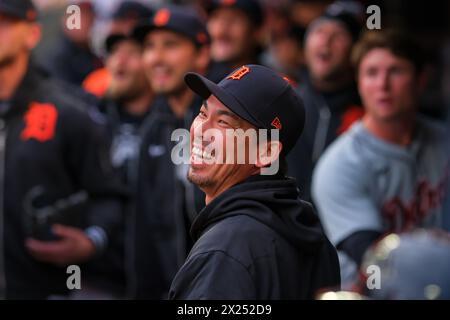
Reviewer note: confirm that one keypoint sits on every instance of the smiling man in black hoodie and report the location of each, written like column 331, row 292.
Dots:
column 255, row 239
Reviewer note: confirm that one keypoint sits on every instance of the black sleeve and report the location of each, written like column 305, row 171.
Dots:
column 212, row 276
column 89, row 164
column 357, row 244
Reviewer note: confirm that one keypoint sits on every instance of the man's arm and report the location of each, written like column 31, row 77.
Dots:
column 88, row 158
column 212, row 276
column 357, row 244
column 87, row 162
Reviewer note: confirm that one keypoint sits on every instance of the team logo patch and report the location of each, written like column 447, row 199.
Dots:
column 40, row 122
column 238, row 74
column 276, row 123
column 161, row 18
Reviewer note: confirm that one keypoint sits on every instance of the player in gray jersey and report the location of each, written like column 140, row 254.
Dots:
column 390, row 171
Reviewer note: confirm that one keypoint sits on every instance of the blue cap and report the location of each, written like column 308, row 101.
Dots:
column 260, row 96
column 114, row 38
column 132, row 10
column 21, row 9
column 252, row 8
column 344, row 13
column 183, row 20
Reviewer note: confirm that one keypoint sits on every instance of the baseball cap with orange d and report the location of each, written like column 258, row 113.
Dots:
column 21, row 9
column 181, row 19
column 260, row 96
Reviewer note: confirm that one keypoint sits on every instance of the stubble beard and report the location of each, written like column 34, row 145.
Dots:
column 201, row 182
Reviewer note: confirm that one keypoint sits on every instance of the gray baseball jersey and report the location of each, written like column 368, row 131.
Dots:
column 364, row 183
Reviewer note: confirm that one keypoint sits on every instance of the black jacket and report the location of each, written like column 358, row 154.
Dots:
column 114, row 272
column 49, row 141
column 327, row 116
column 166, row 205
column 70, row 62
column 257, row 240
column 158, row 217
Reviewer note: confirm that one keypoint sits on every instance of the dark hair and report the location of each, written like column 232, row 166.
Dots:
column 396, row 41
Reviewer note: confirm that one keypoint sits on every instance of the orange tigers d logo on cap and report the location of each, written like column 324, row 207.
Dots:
column 238, row 74
column 161, row 17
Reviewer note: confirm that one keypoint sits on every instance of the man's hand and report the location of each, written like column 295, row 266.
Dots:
column 72, row 247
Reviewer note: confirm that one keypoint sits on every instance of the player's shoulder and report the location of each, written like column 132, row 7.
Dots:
column 74, row 105
column 239, row 236
column 346, row 150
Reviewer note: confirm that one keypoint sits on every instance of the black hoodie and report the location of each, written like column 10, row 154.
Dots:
column 257, row 240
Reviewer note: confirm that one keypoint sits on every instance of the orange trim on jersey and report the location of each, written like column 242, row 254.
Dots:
column 352, row 114
column 97, row 82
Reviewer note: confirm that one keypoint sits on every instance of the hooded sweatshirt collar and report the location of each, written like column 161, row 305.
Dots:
column 271, row 200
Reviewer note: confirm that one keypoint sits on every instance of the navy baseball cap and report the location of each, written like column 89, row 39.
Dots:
column 252, row 8
column 260, row 96
column 21, row 9
column 132, row 10
column 180, row 19
column 342, row 13
column 114, row 38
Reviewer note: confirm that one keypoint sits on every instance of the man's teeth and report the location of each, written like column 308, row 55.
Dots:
column 198, row 153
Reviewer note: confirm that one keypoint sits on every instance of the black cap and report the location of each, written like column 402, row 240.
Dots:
column 183, row 20
column 252, row 8
column 22, row 9
column 343, row 13
column 132, row 10
column 260, row 96
column 114, row 38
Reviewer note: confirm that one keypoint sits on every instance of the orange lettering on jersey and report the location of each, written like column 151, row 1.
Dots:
column 40, row 122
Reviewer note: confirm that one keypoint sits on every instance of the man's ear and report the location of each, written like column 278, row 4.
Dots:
column 34, row 35
column 269, row 152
